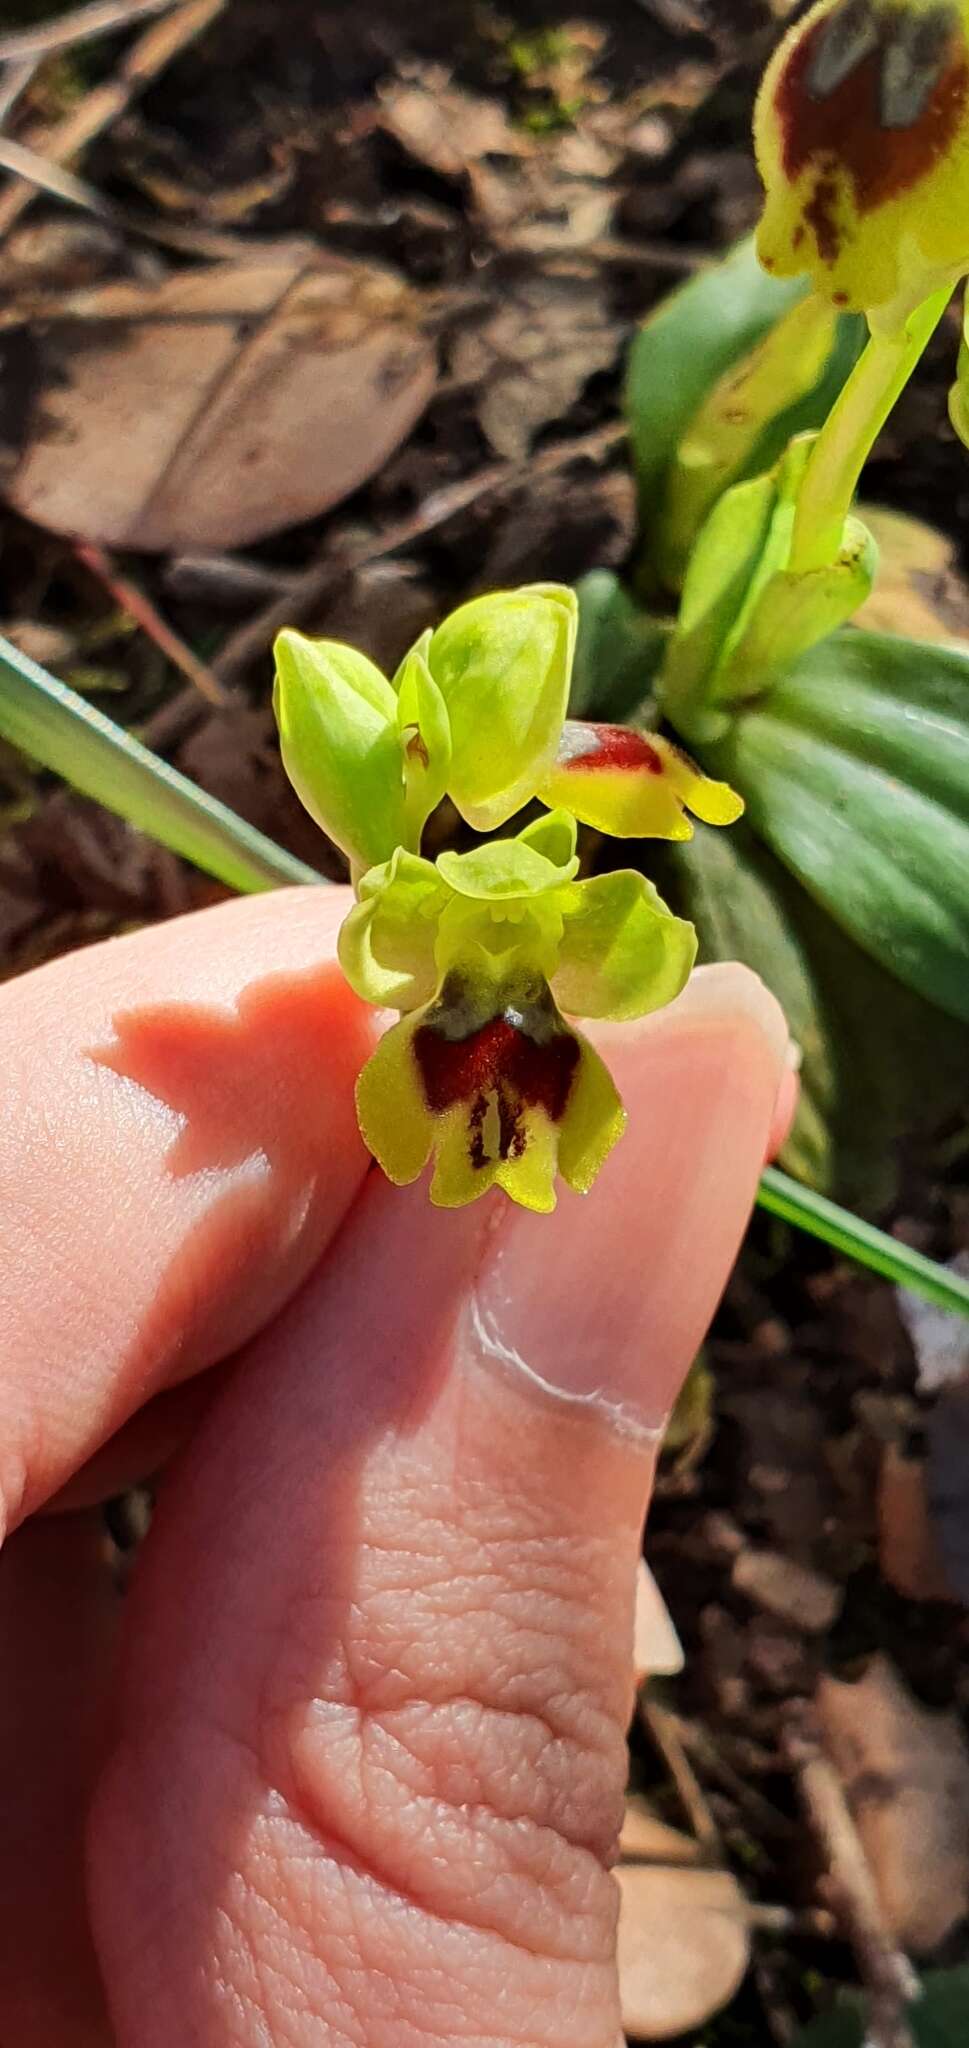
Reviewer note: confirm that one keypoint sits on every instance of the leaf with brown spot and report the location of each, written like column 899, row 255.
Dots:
column 215, row 407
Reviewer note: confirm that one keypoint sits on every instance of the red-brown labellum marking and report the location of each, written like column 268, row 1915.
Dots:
column 844, row 130
column 607, row 746
column 523, row 1058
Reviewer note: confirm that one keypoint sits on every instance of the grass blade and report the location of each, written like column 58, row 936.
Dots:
column 862, row 1241
column 60, row 730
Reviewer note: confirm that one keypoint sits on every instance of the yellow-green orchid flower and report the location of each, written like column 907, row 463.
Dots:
column 862, row 138
column 634, row 785
column 483, row 952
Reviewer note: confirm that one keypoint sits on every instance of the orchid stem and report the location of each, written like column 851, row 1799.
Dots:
column 862, row 1241
column 850, row 432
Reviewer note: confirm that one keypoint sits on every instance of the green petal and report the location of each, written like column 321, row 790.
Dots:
column 554, row 835
column 425, row 734
column 503, row 664
column 386, row 944
column 338, row 736
column 622, row 952
column 393, row 1116
column 506, row 868
column 593, row 1123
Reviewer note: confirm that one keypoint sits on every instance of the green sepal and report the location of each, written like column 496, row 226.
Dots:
column 855, row 770
column 337, row 719
column 622, row 952
column 503, row 664
column 424, row 729
column 387, row 943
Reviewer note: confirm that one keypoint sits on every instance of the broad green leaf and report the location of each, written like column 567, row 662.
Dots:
column 623, row 953
column 503, row 664
column 684, row 347
column 618, row 651
column 878, row 1062
column 855, row 770
column 938, row 2019
column 337, row 719
column 718, row 443
column 62, row 732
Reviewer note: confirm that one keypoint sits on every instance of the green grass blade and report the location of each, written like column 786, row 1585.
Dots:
column 862, row 1241
column 61, row 731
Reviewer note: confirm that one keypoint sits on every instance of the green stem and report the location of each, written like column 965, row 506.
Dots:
column 850, row 431
column 862, row 1241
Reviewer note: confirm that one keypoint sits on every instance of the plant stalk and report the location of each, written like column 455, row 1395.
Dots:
column 861, row 1241
column 850, row 431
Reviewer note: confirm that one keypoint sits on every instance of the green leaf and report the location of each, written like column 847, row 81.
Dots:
column 337, row 719
column 63, row 733
column 722, row 567
column 618, row 652
column 684, row 347
column 938, row 2019
column 503, row 664
column 623, row 953
column 877, row 1062
column 717, row 446
column 386, row 944
column 855, row 770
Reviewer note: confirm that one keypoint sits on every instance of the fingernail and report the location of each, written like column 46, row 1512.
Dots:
column 606, row 1302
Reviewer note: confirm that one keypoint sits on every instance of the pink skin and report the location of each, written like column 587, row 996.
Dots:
column 361, row 1768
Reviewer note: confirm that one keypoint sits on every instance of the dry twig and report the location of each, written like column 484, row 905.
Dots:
column 663, row 1727
column 149, row 55
column 251, row 641
column 140, row 608
column 888, row 1976
column 13, row 83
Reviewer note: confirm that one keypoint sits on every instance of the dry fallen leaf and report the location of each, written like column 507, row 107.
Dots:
column 534, row 355
column 908, row 1548
column 919, row 590
column 215, row 407
column 906, row 1776
column 657, row 1650
column 684, row 1943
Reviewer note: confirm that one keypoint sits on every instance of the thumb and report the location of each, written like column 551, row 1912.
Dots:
column 372, row 1756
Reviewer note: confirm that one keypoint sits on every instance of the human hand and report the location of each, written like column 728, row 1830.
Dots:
column 361, row 1768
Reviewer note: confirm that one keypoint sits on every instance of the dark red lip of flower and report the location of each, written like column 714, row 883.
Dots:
column 607, row 746
column 844, row 128
column 523, row 1058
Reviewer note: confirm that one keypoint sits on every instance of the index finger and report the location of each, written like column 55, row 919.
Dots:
column 178, row 1143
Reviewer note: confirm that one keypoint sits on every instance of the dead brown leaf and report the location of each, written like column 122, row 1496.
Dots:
column 908, row 1548
column 444, row 127
column 919, row 591
column 533, row 357
column 684, row 1943
column 906, row 1775
column 215, row 407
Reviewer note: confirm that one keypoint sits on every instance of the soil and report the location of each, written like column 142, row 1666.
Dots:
column 318, row 118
